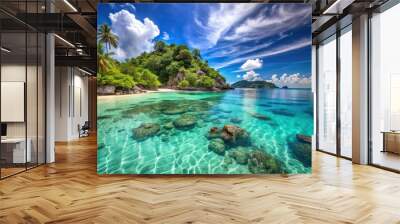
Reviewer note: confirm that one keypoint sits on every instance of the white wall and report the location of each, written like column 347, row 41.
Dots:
column 81, row 113
column 71, row 102
column 12, row 73
column 17, row 73
column 62, row 82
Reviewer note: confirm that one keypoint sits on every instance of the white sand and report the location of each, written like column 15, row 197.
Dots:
column 104, row 97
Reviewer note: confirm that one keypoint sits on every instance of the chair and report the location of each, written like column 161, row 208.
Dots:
column 84, row 130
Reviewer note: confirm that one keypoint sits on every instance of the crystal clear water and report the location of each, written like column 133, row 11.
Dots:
column 176, row 151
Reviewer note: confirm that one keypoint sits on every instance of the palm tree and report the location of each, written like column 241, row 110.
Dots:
column 103, row 59
column 107, row 37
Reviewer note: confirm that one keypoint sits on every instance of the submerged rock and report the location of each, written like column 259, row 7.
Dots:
column 272, row 123
column 283, row 112
column 304, row 138
column 231, row 134
column 113, row 109
column 146, row 130
column 216, row 121
column 260, row 116
column 185, row 121
column 240, row 155
column 236, row 120
column 264, row 105
column 164, row 138
column 301, row 151
column 235, row 135
column 103, row 117
column 309, row 112
column 222, row 117
column 227, row 160
column 173, row 110
column 199, row 106
column 169, row 126
column 200, row 123
column 214, row 132
column 217, row 145
column 134, row 110
column 223, row 110
column 261, row 162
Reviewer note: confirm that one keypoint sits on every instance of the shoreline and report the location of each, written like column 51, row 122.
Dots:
column 160, row 90
column 167, row 90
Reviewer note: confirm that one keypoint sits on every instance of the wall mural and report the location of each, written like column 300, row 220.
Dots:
column 215, row 88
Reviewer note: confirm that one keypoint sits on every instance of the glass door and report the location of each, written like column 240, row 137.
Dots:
column 346, row 92
column 14, row 155
column 22, row 95
column 385, row 89
column 326, row 82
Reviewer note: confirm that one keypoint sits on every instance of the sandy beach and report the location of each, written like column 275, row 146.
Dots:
column 105, row 97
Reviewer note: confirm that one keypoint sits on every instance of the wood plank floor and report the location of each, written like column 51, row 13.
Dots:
column 70, row 191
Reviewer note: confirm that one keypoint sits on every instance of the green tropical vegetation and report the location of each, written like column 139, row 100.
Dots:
column 103, row 58
column 172, row 66
column 107, row 37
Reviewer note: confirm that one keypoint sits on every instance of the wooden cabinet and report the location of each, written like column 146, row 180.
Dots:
column 391, row 142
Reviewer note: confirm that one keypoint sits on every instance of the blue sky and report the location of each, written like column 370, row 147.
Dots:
column 251, row 41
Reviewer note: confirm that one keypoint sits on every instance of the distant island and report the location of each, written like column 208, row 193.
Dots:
column 254, row 84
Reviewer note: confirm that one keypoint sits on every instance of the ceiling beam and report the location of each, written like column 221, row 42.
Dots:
column 89, row 30
column 79, row 61
column 337, row 7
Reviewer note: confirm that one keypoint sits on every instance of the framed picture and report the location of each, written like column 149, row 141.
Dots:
column 204, row 88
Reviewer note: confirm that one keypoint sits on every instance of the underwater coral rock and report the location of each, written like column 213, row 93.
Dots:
column 235, row 135
column 146, row 130
column 217, row 145
column 261, row 162
column 185, row 121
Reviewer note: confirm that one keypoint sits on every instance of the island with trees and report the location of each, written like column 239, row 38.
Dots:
column 168, row 65
column 254, row 84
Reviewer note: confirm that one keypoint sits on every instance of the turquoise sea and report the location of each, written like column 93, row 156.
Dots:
column 271, row 117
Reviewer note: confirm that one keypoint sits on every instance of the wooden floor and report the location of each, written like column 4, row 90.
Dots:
column 387, row 159
column 70, row 191
column 5, row 172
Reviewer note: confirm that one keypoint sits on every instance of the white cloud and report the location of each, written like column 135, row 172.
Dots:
column 165, row 36
column 278, row 19
column 284, row 35
column 123, row 6
column 235, row 51
column 221, row 18
column 268, row 52
column 252, row 64
column 119, row 54
column 291, row 81
column 252, row 76
column 129, row 6
column 135, row 36
column 238, row 76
